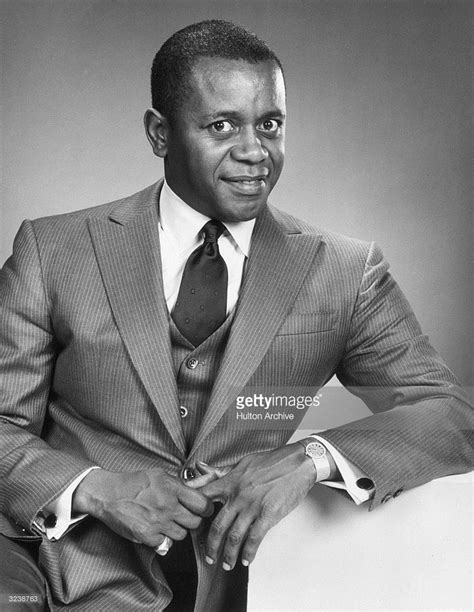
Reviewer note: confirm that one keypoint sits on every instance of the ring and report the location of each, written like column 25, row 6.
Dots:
column 164, row 547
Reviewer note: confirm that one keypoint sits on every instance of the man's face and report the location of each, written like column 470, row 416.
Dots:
column 225, row 150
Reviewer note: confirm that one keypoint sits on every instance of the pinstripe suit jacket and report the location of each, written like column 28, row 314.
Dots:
column 87, row 376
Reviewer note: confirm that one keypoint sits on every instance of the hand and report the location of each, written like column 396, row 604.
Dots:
column 142, row 506
column 257, row 493
column 208, row 474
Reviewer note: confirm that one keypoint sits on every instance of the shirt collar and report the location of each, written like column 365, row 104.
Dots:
column 183, row 223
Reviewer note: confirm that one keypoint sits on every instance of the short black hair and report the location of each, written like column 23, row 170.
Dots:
column 211, row 38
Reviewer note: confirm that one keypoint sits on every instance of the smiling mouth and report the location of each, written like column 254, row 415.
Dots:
column 246, row 179
column 247, row 185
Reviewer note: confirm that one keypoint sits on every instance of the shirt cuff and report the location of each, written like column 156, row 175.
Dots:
column 61, row 509
column 351, row 476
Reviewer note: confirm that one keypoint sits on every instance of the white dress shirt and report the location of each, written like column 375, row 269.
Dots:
column 180, row 231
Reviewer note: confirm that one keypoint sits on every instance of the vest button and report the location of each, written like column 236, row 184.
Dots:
column 183, row 411
column 192, row 363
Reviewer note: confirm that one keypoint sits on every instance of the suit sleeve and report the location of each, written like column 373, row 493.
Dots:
column 422, row 427
column 31, row 472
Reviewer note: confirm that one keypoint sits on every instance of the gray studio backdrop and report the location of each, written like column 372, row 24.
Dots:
column 379, row 133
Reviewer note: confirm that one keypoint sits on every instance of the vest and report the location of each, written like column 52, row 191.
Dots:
column 195, row 370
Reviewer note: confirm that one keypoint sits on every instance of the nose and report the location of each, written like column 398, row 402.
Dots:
column 249, row 149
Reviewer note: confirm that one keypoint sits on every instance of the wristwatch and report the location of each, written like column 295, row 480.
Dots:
column 317, row 452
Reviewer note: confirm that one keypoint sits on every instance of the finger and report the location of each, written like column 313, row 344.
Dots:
column 174, row 531
column 216, row 490
column 171, row 529
column 186, row 519
column 220, row 472
column 254, row 538
column 195, row 501
column 204, row 468
column 200, row 481
column 235, row 538
column 150, row 528
column 217, row 532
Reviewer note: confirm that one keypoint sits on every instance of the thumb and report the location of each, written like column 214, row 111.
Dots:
column 216, row 490
column 200, row 481
column 204, row 468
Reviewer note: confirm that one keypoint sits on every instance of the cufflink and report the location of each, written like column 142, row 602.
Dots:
column 41, row 523
column 366, row 484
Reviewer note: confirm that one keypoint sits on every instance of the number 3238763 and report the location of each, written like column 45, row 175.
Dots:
column 23, row 598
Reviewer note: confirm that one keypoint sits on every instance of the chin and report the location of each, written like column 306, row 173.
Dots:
column 239, row 217
column 244, row 212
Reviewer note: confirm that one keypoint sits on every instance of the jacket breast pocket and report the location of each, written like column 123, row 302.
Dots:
column 303, row 352
column 308, row 323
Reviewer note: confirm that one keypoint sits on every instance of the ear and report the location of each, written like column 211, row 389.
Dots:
column 156, row 129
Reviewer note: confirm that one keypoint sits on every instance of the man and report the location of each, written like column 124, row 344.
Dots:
column 130, row 330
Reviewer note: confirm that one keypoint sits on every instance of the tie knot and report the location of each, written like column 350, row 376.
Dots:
column 212, row 230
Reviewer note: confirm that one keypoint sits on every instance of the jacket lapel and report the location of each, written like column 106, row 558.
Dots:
column 128, row 254
column 279, row 260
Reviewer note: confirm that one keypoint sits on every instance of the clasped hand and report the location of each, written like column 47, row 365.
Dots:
column 256, row 494
column 142, row 506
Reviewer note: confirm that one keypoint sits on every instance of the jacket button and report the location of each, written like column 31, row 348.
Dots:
column 386, row 498
column 192, row 363
column 189, row 473
column 183, row 411
column 397, row 493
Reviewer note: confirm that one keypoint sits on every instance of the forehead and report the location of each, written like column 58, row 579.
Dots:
column 218, row 85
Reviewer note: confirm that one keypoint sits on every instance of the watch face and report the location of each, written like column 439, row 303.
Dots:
column 315, row 450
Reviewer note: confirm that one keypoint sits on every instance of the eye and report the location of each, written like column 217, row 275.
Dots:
column 270, row 126
column 222, row 127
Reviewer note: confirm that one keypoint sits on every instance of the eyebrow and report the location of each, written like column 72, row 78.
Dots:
column 232, row 114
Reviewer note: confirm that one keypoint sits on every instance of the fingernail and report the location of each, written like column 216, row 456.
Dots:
column 209, row 560
column 226, row 566
column 203, row 463
column 245, row 562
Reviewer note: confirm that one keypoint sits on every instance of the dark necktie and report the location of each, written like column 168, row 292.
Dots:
column 202, row 298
